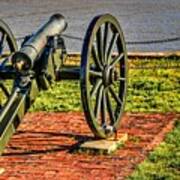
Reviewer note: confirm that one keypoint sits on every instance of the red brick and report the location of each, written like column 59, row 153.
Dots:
column 41, row 147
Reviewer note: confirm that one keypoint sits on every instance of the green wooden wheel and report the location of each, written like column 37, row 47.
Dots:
column 103, row 75
column 8, row 46
column 8, row 43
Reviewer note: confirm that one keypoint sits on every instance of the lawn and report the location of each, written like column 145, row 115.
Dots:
column 154, row 86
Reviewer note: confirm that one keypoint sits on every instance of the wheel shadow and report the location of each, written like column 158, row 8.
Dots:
column 17, row 150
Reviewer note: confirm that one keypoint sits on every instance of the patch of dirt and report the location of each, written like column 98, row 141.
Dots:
column 41, row 148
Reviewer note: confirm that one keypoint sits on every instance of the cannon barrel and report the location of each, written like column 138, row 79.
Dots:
column 24, row 58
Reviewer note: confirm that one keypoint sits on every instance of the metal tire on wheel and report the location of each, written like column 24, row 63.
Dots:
column 103, row 75
column 7, row 36
column 8, row 46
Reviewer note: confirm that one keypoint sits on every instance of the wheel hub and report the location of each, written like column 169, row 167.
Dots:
column 109, row 76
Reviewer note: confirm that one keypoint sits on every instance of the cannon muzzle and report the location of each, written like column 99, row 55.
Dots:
column 24, row 58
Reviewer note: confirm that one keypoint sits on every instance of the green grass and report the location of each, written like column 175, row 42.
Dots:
column 149, row 90
column 164, row 162
column 62, row 96
column 154, row 91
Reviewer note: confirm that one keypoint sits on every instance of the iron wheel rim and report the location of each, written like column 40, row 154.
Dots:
column 105, row 73
column 7, row 43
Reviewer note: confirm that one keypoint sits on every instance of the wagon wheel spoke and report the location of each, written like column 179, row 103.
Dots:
column 2, row 42
column 99, row 41
column 106, row 37
column 98, row 102
column 96, row 87
column 96, row 58
column 96, row 74
column 110, row 109
column 115, row 96
column 104, row 107
column 116, row 60
column 111, row 46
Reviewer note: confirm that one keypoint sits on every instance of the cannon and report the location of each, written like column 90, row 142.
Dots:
column 39, row 62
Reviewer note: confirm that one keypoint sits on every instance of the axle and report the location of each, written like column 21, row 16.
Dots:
column 68, row 73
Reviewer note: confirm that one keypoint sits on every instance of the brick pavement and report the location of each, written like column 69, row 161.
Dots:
column 42, row 147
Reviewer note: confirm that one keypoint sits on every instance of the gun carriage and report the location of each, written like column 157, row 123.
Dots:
column 40, row 61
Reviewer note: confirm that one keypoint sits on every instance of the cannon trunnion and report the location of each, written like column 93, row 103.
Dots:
column 40, row 62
